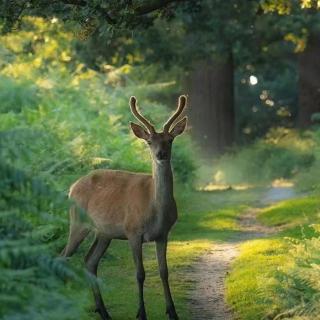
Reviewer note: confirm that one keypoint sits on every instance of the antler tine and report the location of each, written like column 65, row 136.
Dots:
column 139, row 116
column 181, row 106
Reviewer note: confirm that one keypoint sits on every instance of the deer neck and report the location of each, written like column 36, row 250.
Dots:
column 163, row 183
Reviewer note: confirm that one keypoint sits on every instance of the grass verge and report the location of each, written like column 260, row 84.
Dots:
column 273, row 278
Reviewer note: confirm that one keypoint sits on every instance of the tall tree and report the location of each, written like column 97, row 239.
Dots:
column 309, row 81
column 219, row 33
column 299, row 20
column 212, row 103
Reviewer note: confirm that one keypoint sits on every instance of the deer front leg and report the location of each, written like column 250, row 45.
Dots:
column 161, row 246
column 92, row 259
column 136, row 246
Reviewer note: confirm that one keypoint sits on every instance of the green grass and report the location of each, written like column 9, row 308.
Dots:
column 291, row 212
column 269, row 276
column 251, row 283
column 204, row 218
column 295, row 217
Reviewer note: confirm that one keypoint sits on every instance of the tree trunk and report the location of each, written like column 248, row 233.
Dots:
column 212, row 105
column 309, row 82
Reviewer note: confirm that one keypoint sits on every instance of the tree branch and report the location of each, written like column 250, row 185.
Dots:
column 152, row 5
column 140, row 8
column 81, row 3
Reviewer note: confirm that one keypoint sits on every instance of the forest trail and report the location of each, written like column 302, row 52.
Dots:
column 207, row 301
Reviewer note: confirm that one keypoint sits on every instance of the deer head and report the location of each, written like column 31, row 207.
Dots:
column 160, row 143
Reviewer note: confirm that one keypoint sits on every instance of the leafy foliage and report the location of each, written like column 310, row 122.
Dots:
column 81, row 115
column 31, row 277
column 59, row 120
column 271, row 102
column 299, row 285
column 255, row 33
column 104, row 16
column 276, row 277
column 281, row 154
column 308, row 179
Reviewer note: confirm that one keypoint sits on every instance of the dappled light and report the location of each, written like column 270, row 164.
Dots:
column 282, row 183
column 224, row 187
column 253, row 80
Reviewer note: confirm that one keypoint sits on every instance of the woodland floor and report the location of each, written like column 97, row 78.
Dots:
column 207, row 301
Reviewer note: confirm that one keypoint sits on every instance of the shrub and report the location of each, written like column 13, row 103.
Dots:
column 31, row 276
column 309, row 179
column 281, row 154
column 72, row 119
column 59, row 120
column 298, row 288
column 15, row 96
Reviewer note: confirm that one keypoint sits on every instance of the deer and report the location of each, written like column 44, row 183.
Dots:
column 136, row 207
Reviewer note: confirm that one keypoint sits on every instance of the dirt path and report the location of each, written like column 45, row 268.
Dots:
column 207, row 300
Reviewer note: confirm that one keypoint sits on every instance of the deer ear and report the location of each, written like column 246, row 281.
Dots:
column 179, row 127
column 139, row 132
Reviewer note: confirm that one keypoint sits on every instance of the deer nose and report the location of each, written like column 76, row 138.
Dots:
column 162, row 155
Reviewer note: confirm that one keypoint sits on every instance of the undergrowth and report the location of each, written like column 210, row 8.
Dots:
column 59, row 120
column 282, row 153
column 277, row 278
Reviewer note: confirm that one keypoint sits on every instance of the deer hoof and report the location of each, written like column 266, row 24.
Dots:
column 103, row 314
column 141, row 315
column 172, row 315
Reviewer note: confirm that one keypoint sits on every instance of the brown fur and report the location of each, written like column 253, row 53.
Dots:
column 115, row 198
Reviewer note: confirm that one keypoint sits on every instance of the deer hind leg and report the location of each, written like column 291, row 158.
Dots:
column 161, row 246
column 92, row 259
column 136, row 246
column 77, row 232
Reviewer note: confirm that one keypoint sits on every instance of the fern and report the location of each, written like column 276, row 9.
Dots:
column 299, row 286
column 59, row 120
column 31, row 277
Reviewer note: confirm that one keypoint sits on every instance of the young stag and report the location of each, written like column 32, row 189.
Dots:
column 131, row 206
